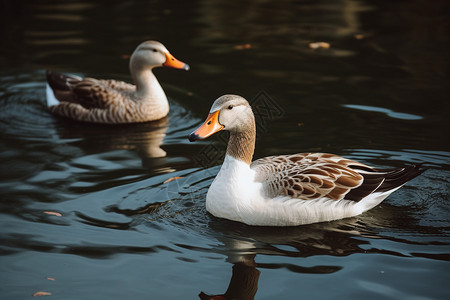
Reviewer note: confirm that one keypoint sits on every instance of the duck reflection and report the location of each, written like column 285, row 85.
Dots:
column 243, row 243
column 243, row 284
column 144, row 138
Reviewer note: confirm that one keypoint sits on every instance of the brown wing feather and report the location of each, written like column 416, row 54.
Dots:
column 308, row 176
column 94, row 93
column 88, row 92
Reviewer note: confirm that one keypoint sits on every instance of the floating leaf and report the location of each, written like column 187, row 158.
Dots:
column 53, row 213
column 38, row 294
column 317, row 45
column 243, row 47
column 172, row 179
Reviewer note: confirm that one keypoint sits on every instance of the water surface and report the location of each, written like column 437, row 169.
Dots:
column 85, row 209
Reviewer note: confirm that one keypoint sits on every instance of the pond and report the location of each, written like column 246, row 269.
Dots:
column 92, row 211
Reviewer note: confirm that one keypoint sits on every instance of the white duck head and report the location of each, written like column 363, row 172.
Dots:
column 151, row 54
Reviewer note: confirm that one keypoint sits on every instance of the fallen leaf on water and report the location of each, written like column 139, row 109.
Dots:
column 38, row 294
column 359, row 36
column 53, row 213
column 242, row 47
column 125, row 56
column 317, row 45
column 172, row 179
column 51, row 278
column 299, row 124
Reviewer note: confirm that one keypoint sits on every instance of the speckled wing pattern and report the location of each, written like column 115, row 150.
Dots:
column 95, row 100
column 94, row 93
column 89, row 92
column 310, row 176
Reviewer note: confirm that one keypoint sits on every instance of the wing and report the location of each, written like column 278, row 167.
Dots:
column 88, row 92
column 94, row 93
column 309, row 176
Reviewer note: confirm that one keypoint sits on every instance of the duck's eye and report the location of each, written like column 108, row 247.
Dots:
column 154, row 50
column 230, row 106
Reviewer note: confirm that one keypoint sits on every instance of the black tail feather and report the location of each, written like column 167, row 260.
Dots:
column 58, row 81
column 384, row 180
column 399, row 177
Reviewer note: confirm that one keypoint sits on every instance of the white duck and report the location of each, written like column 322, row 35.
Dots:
column 288, row 190
column 112, row 101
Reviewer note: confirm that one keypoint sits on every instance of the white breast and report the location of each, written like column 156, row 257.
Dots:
column 233, row 193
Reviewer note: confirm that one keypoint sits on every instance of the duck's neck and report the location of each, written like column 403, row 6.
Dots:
column 148, row 87
column 242, row 144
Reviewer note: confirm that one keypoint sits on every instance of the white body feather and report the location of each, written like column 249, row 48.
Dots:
column 235, row 195
column 51, row 99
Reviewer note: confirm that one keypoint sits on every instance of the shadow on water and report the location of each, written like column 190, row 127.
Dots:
column 144, row 139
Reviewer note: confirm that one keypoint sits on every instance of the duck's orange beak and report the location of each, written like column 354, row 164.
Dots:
column 208, row 128
column 175, row 63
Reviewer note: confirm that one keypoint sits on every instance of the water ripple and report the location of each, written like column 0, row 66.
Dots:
column 388, row 112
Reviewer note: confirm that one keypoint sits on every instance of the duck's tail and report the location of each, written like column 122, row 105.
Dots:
column 59, row 87
column 379, row 184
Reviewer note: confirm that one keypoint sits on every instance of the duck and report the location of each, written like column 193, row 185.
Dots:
column 292, row 189
column 112, row 101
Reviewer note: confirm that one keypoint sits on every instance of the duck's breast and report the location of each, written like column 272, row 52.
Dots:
column 233, row 193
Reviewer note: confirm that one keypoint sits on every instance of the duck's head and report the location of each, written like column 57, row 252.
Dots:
column 228, row 112
column 150, row 54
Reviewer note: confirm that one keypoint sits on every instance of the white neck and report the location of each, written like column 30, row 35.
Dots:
column 233, row 167
column 148, row 87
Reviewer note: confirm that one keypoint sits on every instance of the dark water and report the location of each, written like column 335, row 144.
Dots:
column 379, row 94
